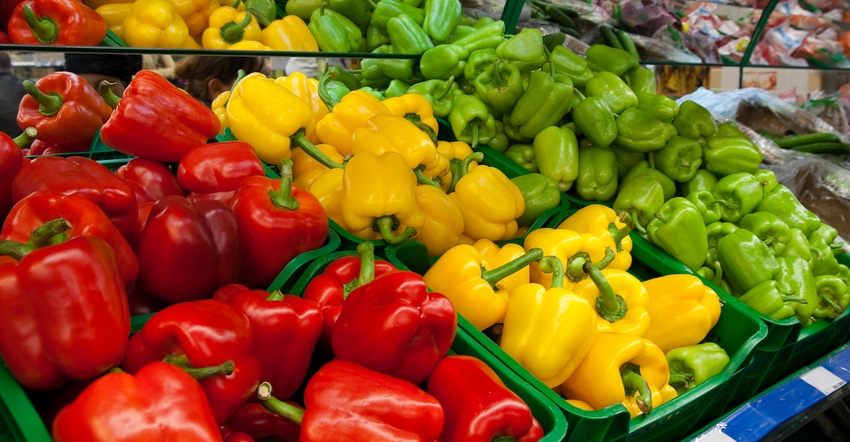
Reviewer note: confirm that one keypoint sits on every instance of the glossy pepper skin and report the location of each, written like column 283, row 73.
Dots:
column 612, row 227
column 692, row 365
column 556, row 150
column 56, row 22
column 307, row 89
column 602, row 58
column 613, row 91
column 529, row 116
column 617, row 366
column 53, row 328
column 443, row 226
column 353, row 111
column 471, row 120
column 641, row 197
column 389, row 132
column 640, row 132
column 276, row 221
column 682, row 310
column 746, row 260
column 478, row 407
column 449, row 59
column 150, row 103
column 65, row 110
column 335, row 32
column 440, row 93
column 441, row 18
column 259, row 423
column 289, row 33
column 499, row 86
column 570, row 64
column 197, row 334
column 228, row 26
column 149, row 179
column 187, row 250
column 573, row 249
column 773, row 232
column 525, row 50
column 595, row 120
column 833, row 296
column 726, row 155
column 619, row 300
column 286, row 329
column 795, row 278
column 680, row 231
column 162, row 400
column 694, row 121
column 218, row 167
column 680, row 158
column 157, row 24
column 11, row 161
column 597, row 178
column 740, row 194
column 782, row 202
column 767, row 299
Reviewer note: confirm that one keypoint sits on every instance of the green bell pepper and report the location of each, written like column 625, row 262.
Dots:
column 766, row 299
column 302, row 9
column 523, row 155
column 694, row 121
column 595, row 121
column 823, row 259
column 714, row 233
column 658, row 106
column 833, row 296
column 407, row 36
column 679, row 159
column 798, row 245
column 782, row 202
column 704, row 179
column 524, row 49
column 375, row 38
column 678, row 229
column 746, row 260
column 570, row 64
column 730, row 129
column 613, row 90
column 395, row 68
column 471, row 121
column 556, row 150
column 387, row 9
column 500, row 142
column 694, row 364
column 706, row 205
column 265, row 11
column 795, row 278
column 827, row 235
column 772, row 231
column 639, row 132
column 334, row 32
column 602, row 58
column 499, row 86
column 626, row 160
column 358, row 11
column 543, row 103
column 441, row 18
column 641, row 197
column 372, row 75
column 541, row 193
column 645, row 168
column 597, row 174
column 479, row 61
column 767, row 179
column 397, row 88
column 449, row 59
column 440, row 93
column 725, row 155
column 713, row 277
column 739, row 193
column 642, row 81
column 334, row 83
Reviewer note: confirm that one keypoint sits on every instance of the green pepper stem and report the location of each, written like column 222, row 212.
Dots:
column 553, row 265
column 43, row 28
column 422, row 179
column 277, row 406
column 366, row 250
column 446, row 87
column 681, row 379
column 48, row 104
column 618, row 234
column 182, row 361
column 633, row 383
column 385, row 225
column 299, row 139
column 575, row 264
column 464, row 165
column 609, row 305
column 493, row 276
column 283, row 197
column 416, row 119
column 232, row 32
column 474, row 143
column 26, row 137
column 455, row 166
column 275, row 295
column 791, row 298
column 105, row 91
column 326, row 77
column 636, row 223
column 829, row 298
column 40, row 236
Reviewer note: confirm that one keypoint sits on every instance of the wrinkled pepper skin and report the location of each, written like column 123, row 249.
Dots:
column 478, row 406
column 163, row 402
column 692, row 365
column 682, row 310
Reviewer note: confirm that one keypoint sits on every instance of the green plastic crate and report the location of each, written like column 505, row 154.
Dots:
column 19, row 420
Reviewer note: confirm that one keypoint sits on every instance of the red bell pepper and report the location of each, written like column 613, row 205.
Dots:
column 394, row 325
column 218, row 167
column 253, row 419
column 478, row 405
column 277, row 222
column 187, row 251
column 204, row 333
column 65, row 109
column 286, row 329
column 346, row 401
column 156, row 119
column 330, row 288
column 42, row 147
column 11, row 162
column 82, row 176
column 160, row 402
column 64, row 312
column 4, row 37
column 150, row 180
column 56, row 22
column 84, row 216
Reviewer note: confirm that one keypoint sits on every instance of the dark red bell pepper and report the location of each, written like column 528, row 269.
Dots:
column 4, row 37
column 345, row 401
column 84, row 216
column 81, row 176
column 394, row 325
column 160, row 402
column 330, row 288
column 218, row 167
column 11, row 162
column 65, row 109
column 478, row 405
column 56, row 22
column 253, row 419
column 150, row 180
column 157, row 120
column 286, row 329
column 204, row 333
column 187, row 251
column 64, row 309
column 42, row 147
column 277, row 222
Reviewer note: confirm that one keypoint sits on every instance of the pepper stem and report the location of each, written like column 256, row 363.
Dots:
column 48, row 104
column 41, row 236
column 618, row 234
column 326, row 77
column 609, row 305
column 366, row 250
column 447, row 86
column 634, row 383
column 232, row 32
column 422, row 179
column 277, row 406
column 105, row 91
column 493, row 276
column 43, row 28
column 276, row 295
column 26, row 137
column 416, row 119
column 474, row 143
column 553, row 265
column 385, row 225
column 680, row 381
column 182, row 361
column 299, row 139
column 283, row 198
column 575, row 264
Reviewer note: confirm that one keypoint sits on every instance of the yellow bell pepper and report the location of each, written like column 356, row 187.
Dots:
column 412, row 106
column 443, row 221
column 228, row 26
column 378, row 193
column 572, row 248
column 219, row 107
column 155, row 24
column 548, row 331
column 489, row 201
column 603, row 221
column 327, row 188
column 472, row 284
column 248, row 45
column 307, row 89
column 439, row 170
column 392, row 133
column 289, row 33
column 94, row 4
column 115, row 14
column 305, row 169
column 621, row 368
column 352, row 112
column 196, row 14
column 682, row 310
column 620, row 300
column 494, row 255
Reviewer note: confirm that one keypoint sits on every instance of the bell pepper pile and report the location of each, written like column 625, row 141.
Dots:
column 565, row 307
